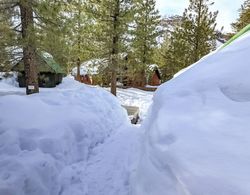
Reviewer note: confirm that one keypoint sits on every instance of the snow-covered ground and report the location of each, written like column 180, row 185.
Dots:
column 77, row 140
column 74, row 139
column 198, row 130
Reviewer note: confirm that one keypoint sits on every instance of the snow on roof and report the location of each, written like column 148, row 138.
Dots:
column 197, row 132
column 46, row 55
column 152, row 67
column 90, row 67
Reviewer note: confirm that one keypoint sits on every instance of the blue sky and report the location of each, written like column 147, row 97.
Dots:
column 228, row 10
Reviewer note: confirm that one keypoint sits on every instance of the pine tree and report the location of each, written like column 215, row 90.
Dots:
column 193, row 38
column 7, row 40
column 79, row 33
column 171, row 56
column 20, row 16
column 199, row 28
column 51, row 30
column 145, row 33
column 167, row 53
column 68, row 25
column 244, row 17
column 112, row 18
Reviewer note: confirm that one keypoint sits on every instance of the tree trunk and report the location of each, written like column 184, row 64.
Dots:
column 115, row 51
column 78, row 74
column 197, row 36
column 113, row 82
column 29, row 50
column 144, row 60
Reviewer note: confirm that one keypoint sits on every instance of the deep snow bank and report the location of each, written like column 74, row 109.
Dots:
column 42, row 135
column 198, row 131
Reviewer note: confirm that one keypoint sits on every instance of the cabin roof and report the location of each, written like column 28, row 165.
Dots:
column 46, row 63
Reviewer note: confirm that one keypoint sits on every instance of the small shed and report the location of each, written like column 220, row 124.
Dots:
column 50, row 73
column 154, row 75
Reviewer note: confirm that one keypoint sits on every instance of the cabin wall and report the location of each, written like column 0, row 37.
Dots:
column 155, row 81
column 47, row 80
column 86, row 79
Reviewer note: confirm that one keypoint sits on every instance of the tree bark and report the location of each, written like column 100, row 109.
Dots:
column 115, row 51
column 78, row 74
column 29, row 50
column 113, row 82
column 197, row 36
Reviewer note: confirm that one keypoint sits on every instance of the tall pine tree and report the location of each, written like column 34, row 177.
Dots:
column 194, row 37
column 79, row 33
column 51, row 30
column 8, row 39
column 145, row 33
column 112, row 18
column 199, row 28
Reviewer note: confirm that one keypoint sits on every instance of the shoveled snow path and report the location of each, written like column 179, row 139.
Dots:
column 113, row 163
column 136, row 97
column 110, row 166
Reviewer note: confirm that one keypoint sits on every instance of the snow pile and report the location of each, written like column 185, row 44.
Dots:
column 198, row 130
column 8, row 80
column 42, row 136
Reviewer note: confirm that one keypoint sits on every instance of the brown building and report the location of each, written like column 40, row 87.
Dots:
column 155, row 78
column 87, row 79
column 151, row 76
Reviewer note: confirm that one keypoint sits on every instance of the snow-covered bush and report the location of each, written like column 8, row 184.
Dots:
column 8, row 78
column 198, row 130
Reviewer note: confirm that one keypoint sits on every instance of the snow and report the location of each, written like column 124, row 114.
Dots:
column 90, row 67
column 121, row 152
column 151, row 86
column 74, row 139
column 197, row 132
column 8, row 85
column 47, row 55
column 219, row 44
column 183, row 70
column 152, row 67
column 136, row 97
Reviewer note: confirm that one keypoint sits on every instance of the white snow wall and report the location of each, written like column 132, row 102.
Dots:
column 198, row 130
column 42, row 136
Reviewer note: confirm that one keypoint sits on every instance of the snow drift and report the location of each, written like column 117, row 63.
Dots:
column 198, row 130
column 42, row 136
